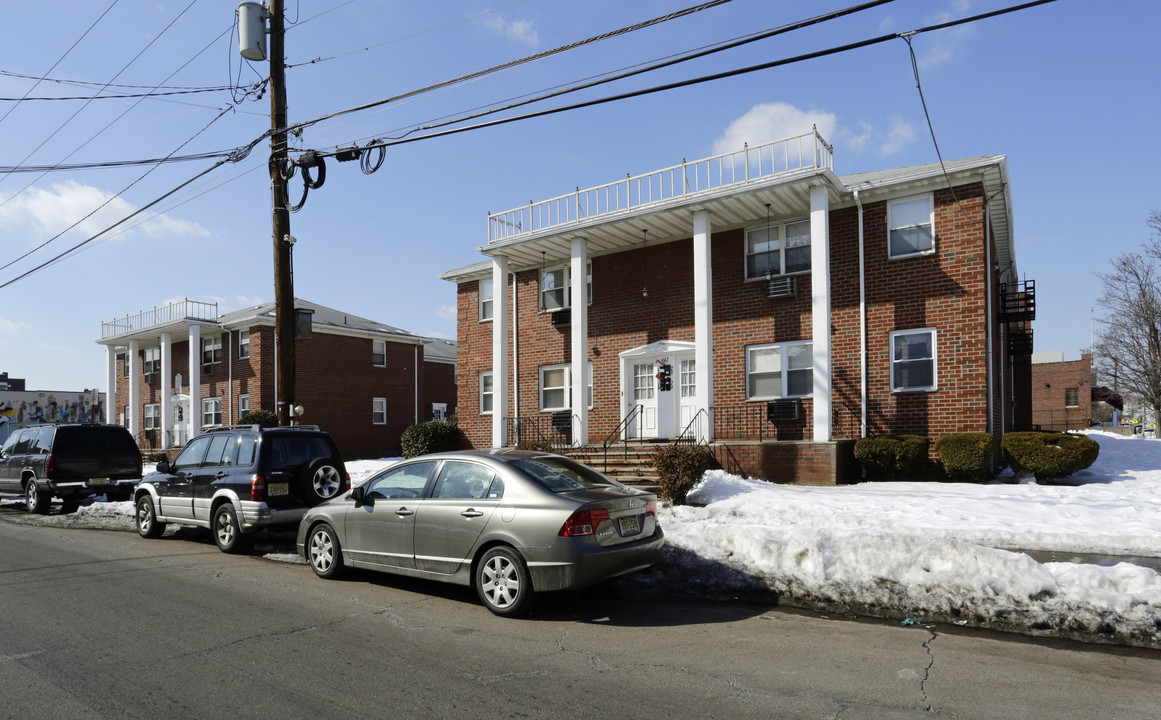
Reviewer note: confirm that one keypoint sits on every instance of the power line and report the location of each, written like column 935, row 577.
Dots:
column 699, row 80
column 512, row 63
column 62, row 57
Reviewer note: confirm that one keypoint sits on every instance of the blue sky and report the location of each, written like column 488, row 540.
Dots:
column 1068, row 91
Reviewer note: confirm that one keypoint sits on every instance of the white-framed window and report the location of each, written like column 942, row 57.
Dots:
column 124, row 365
column 243, row 344
column 556, row 288
column 911, row 226
column 687, row 378
column 212, row 410
column 643, row 388
column 379, row 353
column 779, row 370
column 243, row 405
column 151, row 417
column 152, row 362
column 378, row 411
column 554, row 388
column 778, row 249
column 211, row 350
column 439, row 411
column 485, row 300
column 486, row 392
column 913, row 360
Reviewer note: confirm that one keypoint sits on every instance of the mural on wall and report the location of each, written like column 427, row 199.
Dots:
column 22, row 408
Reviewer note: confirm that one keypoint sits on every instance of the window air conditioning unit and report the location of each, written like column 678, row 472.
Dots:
column 207, row 369
column 784, row 409
column 780, row 287
column 561, row 317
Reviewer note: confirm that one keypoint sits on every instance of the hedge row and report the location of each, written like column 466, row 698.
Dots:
column 967, row 456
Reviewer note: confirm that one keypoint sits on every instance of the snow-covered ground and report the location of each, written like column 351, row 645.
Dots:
column 919, row 552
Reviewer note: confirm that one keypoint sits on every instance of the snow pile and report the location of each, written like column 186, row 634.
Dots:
column 933, row 550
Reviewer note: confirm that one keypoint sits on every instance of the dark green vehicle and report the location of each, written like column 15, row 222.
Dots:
column 71, row 462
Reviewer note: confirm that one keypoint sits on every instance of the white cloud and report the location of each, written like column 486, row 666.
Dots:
column 519, row 30
column 447, row 312
column 51, row 211
column 773, row 121
column 943, row 45
column 12, row 327
column 900, row 134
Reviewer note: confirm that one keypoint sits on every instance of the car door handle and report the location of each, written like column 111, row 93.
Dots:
column 221, row 474
column 404, row 512
column 471, row 513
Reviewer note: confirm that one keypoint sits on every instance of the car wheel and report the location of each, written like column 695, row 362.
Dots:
column 321, row 480
column 503, row 583
column 37, row 500
column 147, row 524
column 70, row 505
column 227, row 533
column 323, row 552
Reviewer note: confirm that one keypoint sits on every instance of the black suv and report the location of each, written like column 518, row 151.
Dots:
column 71, row 461
column 237, row 480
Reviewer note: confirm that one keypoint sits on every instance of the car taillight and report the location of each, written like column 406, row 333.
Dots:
column 49, row 463
column 583, row 522
column 258, row 488
column 651, row 508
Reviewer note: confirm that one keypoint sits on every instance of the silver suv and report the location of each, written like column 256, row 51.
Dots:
column 237, row 480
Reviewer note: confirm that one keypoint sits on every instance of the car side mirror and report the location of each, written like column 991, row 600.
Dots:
column 163, row 466
column 359, row 495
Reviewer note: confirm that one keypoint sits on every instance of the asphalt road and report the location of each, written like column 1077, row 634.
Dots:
column 104, row 624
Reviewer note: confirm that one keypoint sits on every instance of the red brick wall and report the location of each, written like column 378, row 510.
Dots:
column 335, row 383
column 944, row 290
column 1049, row 382
column 439, row 382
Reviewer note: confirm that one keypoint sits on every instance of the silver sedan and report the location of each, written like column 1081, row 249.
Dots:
column 510, row 523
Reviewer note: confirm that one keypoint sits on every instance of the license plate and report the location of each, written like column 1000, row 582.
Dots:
column 630, row 525
column 278, row 489
column 99, row 481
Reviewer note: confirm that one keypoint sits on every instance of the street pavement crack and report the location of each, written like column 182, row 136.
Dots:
column 927, row 670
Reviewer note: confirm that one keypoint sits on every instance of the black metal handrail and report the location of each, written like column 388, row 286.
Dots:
column 553, row 433
column 690, row 435
column 620, row 430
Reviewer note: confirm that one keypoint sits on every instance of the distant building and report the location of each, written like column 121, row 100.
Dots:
column 175, row 370
column 1062, row 391
column 19, row 406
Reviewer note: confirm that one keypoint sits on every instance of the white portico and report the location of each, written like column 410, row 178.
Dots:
column 671, row 382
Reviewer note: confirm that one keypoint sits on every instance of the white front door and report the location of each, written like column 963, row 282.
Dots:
column 663, row 384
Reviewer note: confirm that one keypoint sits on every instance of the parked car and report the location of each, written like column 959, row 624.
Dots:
column 71, row 461
column 511, row 523
column 237, row 480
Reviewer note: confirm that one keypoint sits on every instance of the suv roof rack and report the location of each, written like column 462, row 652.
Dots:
column 259, row 428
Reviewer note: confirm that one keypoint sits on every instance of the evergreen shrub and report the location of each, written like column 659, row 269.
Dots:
column 1049, row 455
column 966, row 456
column 430, row 437
column 886, row 457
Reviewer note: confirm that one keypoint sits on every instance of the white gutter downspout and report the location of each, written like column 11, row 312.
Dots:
column 862, row 324
column 515, row 320
column 415, row 386
column 989, row 273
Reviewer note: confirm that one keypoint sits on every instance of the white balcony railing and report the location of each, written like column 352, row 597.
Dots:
column 689, row 178
column 181, row 310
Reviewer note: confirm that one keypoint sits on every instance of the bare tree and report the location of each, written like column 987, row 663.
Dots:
column 1129, row 339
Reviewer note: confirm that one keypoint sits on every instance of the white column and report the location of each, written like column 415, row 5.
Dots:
column 195, row 381
column 580, row 341
column 166, row 390
column 131, row 417
column 499, row 349
column 110, row 384
column 820, row 309
column 703, row 318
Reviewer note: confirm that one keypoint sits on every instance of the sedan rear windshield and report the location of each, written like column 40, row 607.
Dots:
column 561, row 475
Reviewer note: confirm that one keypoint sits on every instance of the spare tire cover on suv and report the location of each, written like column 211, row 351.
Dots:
column 311, row 460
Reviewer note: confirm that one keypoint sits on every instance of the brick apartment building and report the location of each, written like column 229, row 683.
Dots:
column 1062, row 391
column 755, row 302
column 362, row 381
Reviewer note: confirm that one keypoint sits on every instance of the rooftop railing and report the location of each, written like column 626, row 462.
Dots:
column 182, row 310
column 689, row 178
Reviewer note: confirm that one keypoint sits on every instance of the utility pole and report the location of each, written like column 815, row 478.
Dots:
column 283, row 275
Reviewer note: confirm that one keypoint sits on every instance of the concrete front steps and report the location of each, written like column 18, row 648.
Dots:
column 631, row 465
